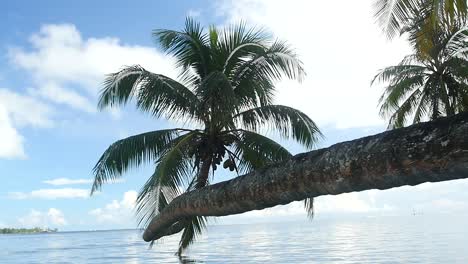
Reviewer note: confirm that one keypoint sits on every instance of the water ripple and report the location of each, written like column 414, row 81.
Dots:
column 375, row 240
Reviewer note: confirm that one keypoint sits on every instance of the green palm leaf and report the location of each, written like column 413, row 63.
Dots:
column 457, row 45
column 309, row 206
column 253, row 80
column 131, row 152
column 193, row 228
column 217, row 97
column 154, row 93
column 288, row 121
column 395, row 93
column 238, row 43
column 399, row 117
column 173, row 171
column 190, row 47
column 255, row 151
column 394, row 15
column 394, row 74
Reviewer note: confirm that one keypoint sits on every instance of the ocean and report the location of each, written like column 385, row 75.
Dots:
column 409, row 239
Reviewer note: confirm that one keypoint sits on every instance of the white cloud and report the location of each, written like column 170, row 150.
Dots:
column 363, row 203
column 18, row 111
column 64, row 96
column 35, row 218
column 348, row 202
column 194, row 13
column 341, row 51
column 117, row 212
column 65, row 69
column 10, row 140
column 26, row 110
column 51, row 194
column 68, row 69
column 56, row 217
column 67, row 181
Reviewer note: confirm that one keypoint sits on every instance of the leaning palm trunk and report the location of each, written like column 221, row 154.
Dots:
column 427, row 152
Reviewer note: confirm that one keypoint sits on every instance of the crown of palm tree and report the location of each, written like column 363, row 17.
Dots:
column 226, row 89
column 433, row 81
column 395, row 15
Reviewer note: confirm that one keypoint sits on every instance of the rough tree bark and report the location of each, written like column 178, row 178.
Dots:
column 427, row 152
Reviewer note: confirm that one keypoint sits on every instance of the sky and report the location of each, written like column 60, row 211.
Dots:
column 55, row 54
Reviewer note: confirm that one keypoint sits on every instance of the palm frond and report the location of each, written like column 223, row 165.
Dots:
column 255, row 151
column 173, row 171
column 396, row 92
column 238, row 43
column 421, row 109
column 457, row 45
column 190, row 47
column 392, row 14
column 217, row 96
column 254, row 77
column 154, row 93
column 401, row 114
column 153, row 198
column 131, row 152
column 194, row 228
column 309, row 206
column 288, row 121
column 396, row 73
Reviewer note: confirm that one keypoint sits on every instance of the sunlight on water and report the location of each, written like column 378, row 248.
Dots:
column 419, row 239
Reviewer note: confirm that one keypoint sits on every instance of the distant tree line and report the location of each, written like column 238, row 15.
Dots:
column 26, row 230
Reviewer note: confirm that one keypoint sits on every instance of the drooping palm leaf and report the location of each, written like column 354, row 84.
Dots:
column 131, row 152
column 193, row 229
column 309, row 206
column 403, row 112
column 394, row 74
column 287, row 121
column 395, row 93
column 457, row 45
column 173, row 171
column 154, row 93
column 255, row 151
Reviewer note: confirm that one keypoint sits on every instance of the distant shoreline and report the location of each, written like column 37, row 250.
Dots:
column 35, row 230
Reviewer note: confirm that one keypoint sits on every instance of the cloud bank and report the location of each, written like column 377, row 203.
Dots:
column 65, row 70
column 50, row 218
column 51, row 194
column 341, row 51
column 117, row 212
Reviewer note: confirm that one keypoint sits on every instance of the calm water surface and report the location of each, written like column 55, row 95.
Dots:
column 418, row 239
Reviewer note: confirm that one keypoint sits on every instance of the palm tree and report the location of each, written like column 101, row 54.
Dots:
column 427, row 152
column 433, row 81
column 226, row 92
column 395, row 15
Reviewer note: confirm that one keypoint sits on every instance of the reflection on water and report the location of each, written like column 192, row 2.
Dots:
column 417, row 239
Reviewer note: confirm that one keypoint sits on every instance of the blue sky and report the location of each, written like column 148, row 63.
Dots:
column 54, row 57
